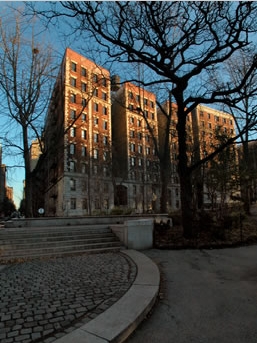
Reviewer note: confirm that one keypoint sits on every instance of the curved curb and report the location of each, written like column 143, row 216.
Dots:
column 119, row 321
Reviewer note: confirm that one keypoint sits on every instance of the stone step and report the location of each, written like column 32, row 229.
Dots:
column 53, row 230
column 18, row 243
column 58, row 248
column 10, row 258
column 34, row 243
column 54, row 238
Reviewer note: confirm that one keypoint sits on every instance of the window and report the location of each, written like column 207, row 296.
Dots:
column 104, row 96
column 139, row 123
column 139, row 135
column 73, row 114
column 138, row 98
column 83, row 151
column 152, row 116
column 133, row 161
column 73, row 66
column 72, row 184
column 104, row 82
column 105, row 155
column 83, row 168
column 95, row 107
column 224, row 120
column 134, row 189
column 105, row 140
column 84, row 204
column 132, row 147
column 130, row 95
column 145, row 101
column 140, row 162
column 73, row 203
column 104, row 110
column 209, row 125
column 97, row 204
column 152, row 104
column 84, row 134
column 209, row 116
column 83, row 86
column 130, row 107
column 96, row 137
column 95, row 153
column 84, row 102
column 84, row 117
column 105, row 171
column 73, row 98
column 202, row 123
column 73, row 82
column 148, row 150
column 95, row 78
column 96, row 121
column 83, row 71
column 105, row 125
column 95, row 92
column 140, row 149
column 73, row 132
column 132, row 133
column 72, row 166
column 95, row 170
column 106, row 187
column 216, row 118
column 146, row 113
column 72, row 149
column 131, row 119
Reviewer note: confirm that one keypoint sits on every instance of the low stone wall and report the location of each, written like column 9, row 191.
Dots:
column 136, row 233
column 70, row 221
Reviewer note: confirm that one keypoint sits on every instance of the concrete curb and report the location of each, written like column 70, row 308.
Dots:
column 119, row 321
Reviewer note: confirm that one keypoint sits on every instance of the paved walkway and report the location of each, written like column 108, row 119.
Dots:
column 43, row 300
column 209, row 296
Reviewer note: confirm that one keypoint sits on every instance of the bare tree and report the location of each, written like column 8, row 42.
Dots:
column 25, row 80
column 245, row 116
column 206, row 35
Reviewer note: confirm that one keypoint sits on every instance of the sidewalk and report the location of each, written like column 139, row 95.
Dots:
column 208, row 296
column 86, row 298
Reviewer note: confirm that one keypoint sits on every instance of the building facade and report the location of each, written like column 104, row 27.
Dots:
column 135, row 136
column 77, row 140
column 217, row 180
column 101, row 143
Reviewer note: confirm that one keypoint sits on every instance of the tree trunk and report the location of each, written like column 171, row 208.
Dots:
column 164, row 191
column 186, row 195
column 28, row 175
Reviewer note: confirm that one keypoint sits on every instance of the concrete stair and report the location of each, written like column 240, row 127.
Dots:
column 27, row 243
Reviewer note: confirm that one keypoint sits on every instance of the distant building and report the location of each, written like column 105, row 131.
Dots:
column 35, row 152
column 2, row 178
column 77, row 140
column 135, row 167
column 211, row 128
column 100, row 145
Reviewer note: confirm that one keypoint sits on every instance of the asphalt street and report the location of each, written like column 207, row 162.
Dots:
column 209, row 296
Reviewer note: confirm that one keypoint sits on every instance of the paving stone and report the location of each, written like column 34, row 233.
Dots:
column 53, row 297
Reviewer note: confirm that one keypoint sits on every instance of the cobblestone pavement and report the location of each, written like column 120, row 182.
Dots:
column 42, row 300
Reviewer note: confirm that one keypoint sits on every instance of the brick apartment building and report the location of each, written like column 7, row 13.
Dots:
column 210, row 128
column 100, row 144
column 136, row 168
column 77, row 140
